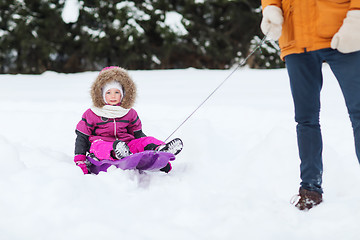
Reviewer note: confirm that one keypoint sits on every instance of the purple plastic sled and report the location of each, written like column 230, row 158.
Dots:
column 147, row 160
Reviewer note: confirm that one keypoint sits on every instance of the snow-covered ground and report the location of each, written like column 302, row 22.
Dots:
column 233, row 180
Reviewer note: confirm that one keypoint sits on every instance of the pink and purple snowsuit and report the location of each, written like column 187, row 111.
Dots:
column 96, row 134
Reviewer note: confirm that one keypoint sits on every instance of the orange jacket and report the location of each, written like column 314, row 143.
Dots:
column 309, row 25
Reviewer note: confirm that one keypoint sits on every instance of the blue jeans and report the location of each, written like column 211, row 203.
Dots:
column 305, row 73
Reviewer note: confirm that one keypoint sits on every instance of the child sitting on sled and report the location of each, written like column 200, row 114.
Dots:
column 111, row 128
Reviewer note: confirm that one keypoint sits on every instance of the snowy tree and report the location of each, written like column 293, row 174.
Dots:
column 82, row 35
column 30, row 34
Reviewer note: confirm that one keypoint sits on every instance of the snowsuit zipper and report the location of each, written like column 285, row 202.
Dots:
column 115, row 130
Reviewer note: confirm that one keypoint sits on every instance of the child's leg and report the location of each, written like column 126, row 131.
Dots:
column 140, row 144
column 102, row 149
column 150, row 143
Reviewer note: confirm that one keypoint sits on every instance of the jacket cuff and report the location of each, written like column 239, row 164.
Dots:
column 265, row 3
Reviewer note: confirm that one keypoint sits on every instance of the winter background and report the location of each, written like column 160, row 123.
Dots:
column 233, row 180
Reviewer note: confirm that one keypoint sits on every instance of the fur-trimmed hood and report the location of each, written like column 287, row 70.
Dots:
column 114, row 74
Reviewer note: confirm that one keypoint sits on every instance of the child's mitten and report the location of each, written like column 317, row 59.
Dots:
column 80, row 161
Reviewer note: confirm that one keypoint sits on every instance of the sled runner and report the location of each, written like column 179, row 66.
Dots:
column 147, row 160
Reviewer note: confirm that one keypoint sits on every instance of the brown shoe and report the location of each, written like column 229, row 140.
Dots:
column 308, row 199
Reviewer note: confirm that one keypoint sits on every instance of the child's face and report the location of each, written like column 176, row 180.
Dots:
column 113, row 96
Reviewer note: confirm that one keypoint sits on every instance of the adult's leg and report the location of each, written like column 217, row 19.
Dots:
column 306, row 82
column 346, row 69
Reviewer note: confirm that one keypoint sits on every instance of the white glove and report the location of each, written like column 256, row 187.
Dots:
column 347, row 39
column 271, row 24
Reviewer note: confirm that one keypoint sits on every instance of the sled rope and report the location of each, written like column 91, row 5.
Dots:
column 242, row 63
